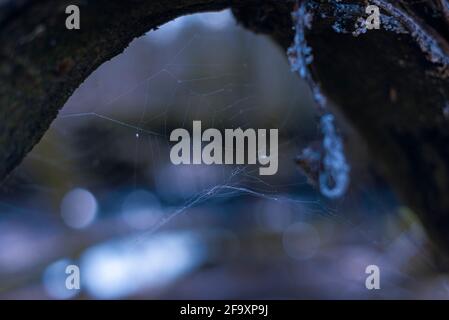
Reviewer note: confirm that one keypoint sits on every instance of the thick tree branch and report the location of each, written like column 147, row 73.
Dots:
column 391, row 85
column 42, row 63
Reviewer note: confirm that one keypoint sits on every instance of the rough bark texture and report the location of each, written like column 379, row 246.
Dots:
column 391, row 86
column 388, row 88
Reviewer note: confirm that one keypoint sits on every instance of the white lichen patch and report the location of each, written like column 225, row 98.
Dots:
column 334, row 170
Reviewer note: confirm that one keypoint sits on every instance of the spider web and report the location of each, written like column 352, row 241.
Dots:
column 220, row 95
column 112, row 138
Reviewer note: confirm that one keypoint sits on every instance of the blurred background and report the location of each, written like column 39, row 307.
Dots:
column 99, row 191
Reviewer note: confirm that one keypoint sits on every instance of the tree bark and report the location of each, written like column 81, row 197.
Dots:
column 391, row 85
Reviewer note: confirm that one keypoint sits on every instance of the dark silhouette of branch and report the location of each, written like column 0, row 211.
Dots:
column 391, row 85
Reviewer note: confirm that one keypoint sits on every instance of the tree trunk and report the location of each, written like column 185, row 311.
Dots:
column 390, row 84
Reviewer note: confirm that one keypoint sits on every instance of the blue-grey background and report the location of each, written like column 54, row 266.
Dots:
column 99, row 190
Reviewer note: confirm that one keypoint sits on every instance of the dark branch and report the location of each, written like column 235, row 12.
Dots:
column 389, row 85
